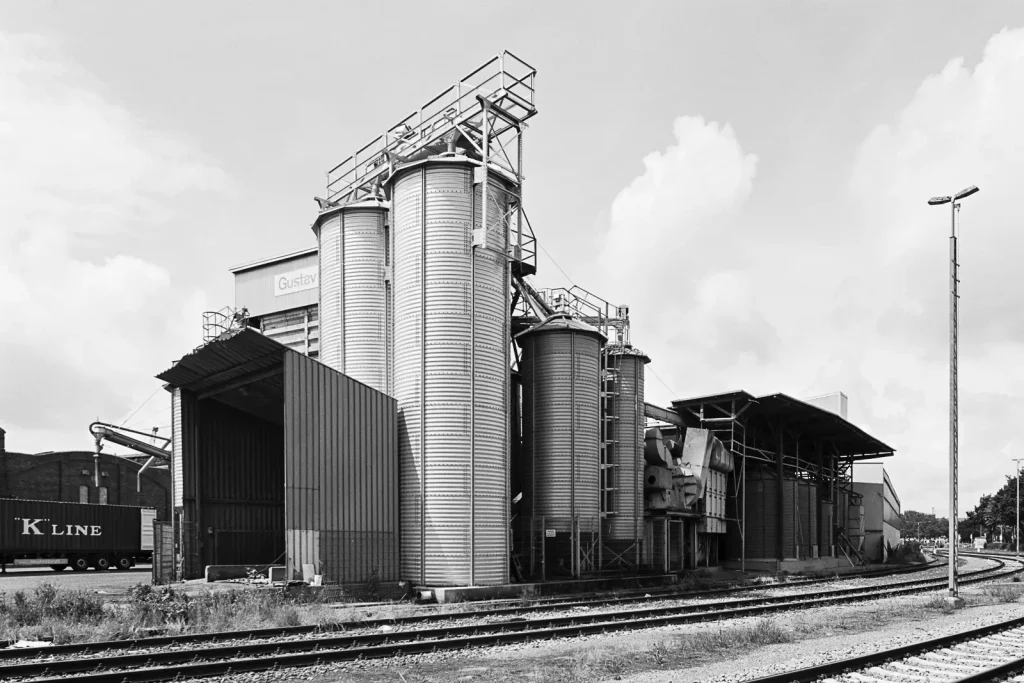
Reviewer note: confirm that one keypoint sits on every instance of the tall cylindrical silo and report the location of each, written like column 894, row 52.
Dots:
column 625, row 429
column 451, row 372
column 355, row 306
column 561, row 452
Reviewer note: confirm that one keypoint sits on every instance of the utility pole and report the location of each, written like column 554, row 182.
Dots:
column 1016, row 532
column 954, row 325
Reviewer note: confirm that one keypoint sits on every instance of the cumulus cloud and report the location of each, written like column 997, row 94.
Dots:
column 84, row 325
column 960, row 128
column 865, row 312
column 688, row 194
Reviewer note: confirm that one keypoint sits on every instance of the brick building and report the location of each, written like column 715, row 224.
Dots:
column 69, row 476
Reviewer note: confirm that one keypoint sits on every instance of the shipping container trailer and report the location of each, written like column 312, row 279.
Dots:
column 77, row 535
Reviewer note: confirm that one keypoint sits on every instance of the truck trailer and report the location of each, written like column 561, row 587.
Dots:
column 44, row 533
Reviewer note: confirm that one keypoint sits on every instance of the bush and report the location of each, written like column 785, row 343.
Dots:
column 49, row 602
column 908, row 552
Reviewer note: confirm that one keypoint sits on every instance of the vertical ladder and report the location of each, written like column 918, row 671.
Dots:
column 610, row 367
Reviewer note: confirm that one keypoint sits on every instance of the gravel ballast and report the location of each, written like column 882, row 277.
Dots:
column 698, row 652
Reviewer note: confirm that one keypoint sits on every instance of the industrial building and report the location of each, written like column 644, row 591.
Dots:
column 403, row 402
column 882, row 521
column 280, row 297
column 792, row 495
column 70, row 476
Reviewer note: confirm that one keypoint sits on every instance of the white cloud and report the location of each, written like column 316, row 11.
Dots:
column 866, row 314
column 961, row 128
column 85, row 325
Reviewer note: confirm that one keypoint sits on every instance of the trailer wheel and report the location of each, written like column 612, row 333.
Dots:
column 58, row 567
column 123, row 562
column 79, row 563
column 102, row 562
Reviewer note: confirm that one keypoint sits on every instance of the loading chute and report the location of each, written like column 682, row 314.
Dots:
column 122, row 436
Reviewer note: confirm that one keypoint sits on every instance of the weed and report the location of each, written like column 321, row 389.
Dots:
column 659, row 653
column 1004, row 592
column 941, row 604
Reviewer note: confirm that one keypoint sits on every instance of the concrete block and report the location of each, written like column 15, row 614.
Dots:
column 221, row 572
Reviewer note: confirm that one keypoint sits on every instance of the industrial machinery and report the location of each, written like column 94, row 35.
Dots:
column 159, row 455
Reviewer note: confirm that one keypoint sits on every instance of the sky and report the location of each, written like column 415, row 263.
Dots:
column 750, row 177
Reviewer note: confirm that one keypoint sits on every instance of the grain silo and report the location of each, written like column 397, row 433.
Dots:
column 624, row 428
column 561, row 446
column 451, row 338
column 355, row 297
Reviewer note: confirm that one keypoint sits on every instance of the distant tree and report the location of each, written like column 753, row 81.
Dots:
column 923, row 525
column 994, row 512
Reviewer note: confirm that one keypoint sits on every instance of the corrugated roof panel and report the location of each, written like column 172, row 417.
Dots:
column 230, row 356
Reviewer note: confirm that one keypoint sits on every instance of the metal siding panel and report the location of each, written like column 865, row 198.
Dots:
column 339, row 511
column 254, row 289
column 240, row 461
column 176, row 450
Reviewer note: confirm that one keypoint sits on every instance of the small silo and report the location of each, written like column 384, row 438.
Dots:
column 623, row 385
column 561, row 440
column 451, row 340
column 355, row 296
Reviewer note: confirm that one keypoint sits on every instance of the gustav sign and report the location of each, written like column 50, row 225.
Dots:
column 295, row 281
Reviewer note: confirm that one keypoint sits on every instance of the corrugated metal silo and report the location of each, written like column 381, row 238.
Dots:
column 624, row 413
column 451, row 336
column 355, row 297
column 560, row 367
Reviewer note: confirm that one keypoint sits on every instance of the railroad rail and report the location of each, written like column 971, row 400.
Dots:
column 982, row 654
column 161, row 665
column 638, row 596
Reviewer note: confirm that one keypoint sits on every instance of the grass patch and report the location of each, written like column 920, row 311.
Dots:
column 940, row 603
column 1005, row 593
column 594, row 663
column 65, row 616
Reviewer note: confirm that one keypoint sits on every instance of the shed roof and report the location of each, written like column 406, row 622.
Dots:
column 848, row 438
column 231, row 356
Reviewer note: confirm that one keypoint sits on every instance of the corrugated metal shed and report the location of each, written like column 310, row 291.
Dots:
column 811, row 421
column 341, row 475
column 268, row 440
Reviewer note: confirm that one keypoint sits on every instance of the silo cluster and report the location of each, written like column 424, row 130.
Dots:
column 415, row 302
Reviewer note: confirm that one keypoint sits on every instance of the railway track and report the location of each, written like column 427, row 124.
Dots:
column 991, row 653
column 509, row 611
column 237, row 657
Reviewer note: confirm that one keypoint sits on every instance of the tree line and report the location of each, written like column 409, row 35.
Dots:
column 993, row 518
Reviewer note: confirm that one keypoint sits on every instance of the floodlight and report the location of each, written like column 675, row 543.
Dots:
column 966, row 193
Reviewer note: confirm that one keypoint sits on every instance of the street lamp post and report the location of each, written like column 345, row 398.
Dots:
column 1016, row 532
column 954, row 281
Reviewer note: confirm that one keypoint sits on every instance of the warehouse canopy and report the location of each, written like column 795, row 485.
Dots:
column 241, row 368
column 814, row 422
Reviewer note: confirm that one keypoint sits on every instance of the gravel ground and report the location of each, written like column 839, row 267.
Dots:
column 718, row 652
column 107, row 582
